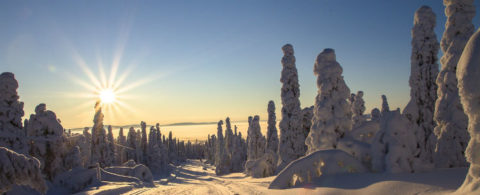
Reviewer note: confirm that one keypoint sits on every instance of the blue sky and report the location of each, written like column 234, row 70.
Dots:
column 204, row 60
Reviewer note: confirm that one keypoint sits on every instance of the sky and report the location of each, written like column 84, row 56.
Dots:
column 201, row 61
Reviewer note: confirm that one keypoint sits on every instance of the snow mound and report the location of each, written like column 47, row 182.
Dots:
column 20, row 170
column 316, row 165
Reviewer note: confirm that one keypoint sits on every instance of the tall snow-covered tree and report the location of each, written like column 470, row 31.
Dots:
column 11, row 113
column 144, row 143
column 451, row 129
column 222, row 162
column 256, row 143
column 47, row 141
column 228, row 137
column 423, row 89
column 307, row 114
column 99, row 139
column 332, row 116
column 272, row 134
column 468, row 74
column 385, row 107
column 358, row 108
column 110, row 160
column 292, row 139
column 131, row 144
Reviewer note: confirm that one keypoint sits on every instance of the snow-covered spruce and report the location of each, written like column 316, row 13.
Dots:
column 451, row 129
column 144, row 144
column 256, row 144
column 292, row 139
column 385, row 107
column 99, row 139
column 11, row 113
column 375, row 114
column 316, row 165
column 332, row 117
column 259, row 164
column 394, row 146
column 228, row 137
column 222, row 161
column 238, row 155
column 110, row 156
column 18, row 169
column 423, row 89
column 468, row 74
column 47, row 141
column 272, row 134
column 121, row 155
column 358, row 108
column 307, row 114
column 131, row 152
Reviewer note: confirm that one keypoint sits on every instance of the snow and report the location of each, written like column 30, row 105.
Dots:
column 319, row 164
column 423, row 89
column 358, row 108
column 332, row 117
column 18, row 169
column 468, row 74
column 366, row 131
column 292, row 139
column 451, row 129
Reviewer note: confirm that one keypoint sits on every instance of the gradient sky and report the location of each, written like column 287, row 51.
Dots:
column 202, row 60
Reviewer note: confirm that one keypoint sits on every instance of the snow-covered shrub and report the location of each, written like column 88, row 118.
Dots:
column 139, row 171
column 262, row 167
column 316, row 165
column 366, row 131
column 47, row 141
column 18, row 169
column 11, row 113
column 77, row 179
column 358, row 149
column 423, row 89
column 332, row 117
column 394, row 146
column 451, row 129
column 292, row 139
column 468, row 74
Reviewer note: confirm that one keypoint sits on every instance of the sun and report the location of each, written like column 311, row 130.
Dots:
column 107, row 96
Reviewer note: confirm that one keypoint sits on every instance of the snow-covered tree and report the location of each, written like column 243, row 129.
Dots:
column 332, row 117
column 11, row 113
column 99, row 140
column 144, row 144
column 451, row 129
column 291, row 144
column 468, row 74
column 272, row 134
column 131, row 144
column 423, row 89
column 86, row 148
column 256, row 144
column 358, row 108
column 222, row 161
column 18, row 169
column 228, row 137
column 110, row 156
column 307, row 113
column 385, row 107
column 375, row 114
column 394, row 146
column 47, row 141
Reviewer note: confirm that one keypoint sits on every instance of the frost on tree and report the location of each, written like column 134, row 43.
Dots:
column 18, row 169
column 451, row 129
column 468, row 74
column 423, row 89
column 332, row 117
column 358, row 108
column 394, row 146
column 291, row 133
column 47, row 140
column 11, row 113
column 272, row 134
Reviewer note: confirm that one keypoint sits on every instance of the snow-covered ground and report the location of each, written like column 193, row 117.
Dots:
column 194, row 177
